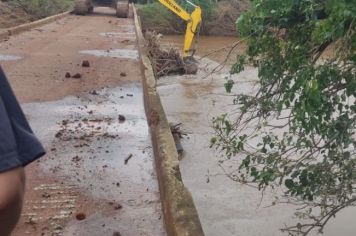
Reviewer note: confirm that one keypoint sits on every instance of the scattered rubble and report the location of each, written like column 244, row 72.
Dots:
column 76, row 159
column 80, row 216
column 85, row 130
column 59, row 134
column 118, row 207
column 46, row 195
column 85, row 63
column 77, row 76
column 122, row 118
column 67, row 75
column 128, row 158
column 94, row 92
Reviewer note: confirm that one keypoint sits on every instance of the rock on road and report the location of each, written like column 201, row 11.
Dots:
column 84, row 185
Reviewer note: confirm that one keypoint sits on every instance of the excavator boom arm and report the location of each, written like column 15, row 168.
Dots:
column 174, row 7
column 194, row 19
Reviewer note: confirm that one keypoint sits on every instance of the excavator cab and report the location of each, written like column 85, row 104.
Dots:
column 83, row 7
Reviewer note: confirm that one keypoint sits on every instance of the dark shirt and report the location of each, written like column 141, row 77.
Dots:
column 18, row 144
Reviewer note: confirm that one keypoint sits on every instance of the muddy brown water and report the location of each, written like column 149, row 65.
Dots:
column 222, row 49
column 217, row 48
column 225, row 207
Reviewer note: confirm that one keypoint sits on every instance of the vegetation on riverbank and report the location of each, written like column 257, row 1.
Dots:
column 296, row 133
column 15, row 12
column 219, row 18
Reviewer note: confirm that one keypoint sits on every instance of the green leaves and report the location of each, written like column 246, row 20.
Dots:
column 289, row 183
column 303, row 115
column 228, row 85
column 239, row 65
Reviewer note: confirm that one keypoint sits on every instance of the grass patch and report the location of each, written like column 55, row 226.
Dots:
column 156, row 17
column 219, row 17
column 42, row 8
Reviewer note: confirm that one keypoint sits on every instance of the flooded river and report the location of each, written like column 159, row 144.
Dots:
column 219, row 48
column 225, row 208
column 214, row 47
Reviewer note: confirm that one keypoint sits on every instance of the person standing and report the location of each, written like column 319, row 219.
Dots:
column 18, row 147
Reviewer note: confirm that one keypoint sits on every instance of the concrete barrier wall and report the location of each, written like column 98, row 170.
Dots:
column 6, row 33
column 180, row 215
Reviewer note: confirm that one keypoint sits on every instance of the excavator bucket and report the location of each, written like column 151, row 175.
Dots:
column 83, row 7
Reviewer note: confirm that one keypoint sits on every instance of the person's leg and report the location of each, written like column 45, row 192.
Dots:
column 12, row 187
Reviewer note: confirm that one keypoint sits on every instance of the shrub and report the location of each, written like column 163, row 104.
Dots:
column 42, row 8
column 157, row 17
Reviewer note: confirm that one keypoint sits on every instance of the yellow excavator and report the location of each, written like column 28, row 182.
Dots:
column 193, row 19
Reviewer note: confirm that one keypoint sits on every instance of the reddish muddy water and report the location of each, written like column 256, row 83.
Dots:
column 219, row 49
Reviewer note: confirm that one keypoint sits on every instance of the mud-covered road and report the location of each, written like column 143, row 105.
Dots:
column 98, row 176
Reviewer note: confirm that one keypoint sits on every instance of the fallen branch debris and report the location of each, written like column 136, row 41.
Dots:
column 128, row 158
column 164, row 62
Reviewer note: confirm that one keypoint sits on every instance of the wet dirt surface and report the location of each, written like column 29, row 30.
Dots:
column 9, row 58
column 225, row 207
column 90, row 122
column 127, row 35
column 49, row 52
column 116, row 53
column 88, row 148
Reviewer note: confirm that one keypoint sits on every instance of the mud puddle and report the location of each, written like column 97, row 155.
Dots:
column 115, row 53
column 121, row 35
column 9, row 57
column 100, row 143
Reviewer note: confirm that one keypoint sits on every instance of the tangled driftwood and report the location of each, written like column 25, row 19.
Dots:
column 164, row 61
